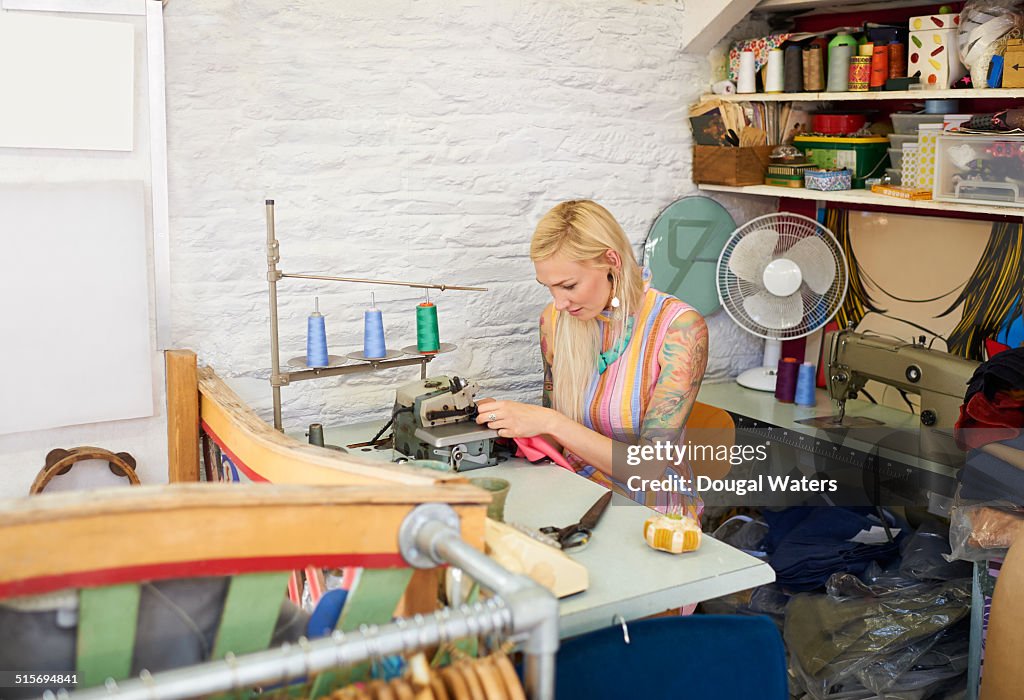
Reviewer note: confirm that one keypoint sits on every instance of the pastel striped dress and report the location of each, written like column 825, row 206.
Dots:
column 617, row 400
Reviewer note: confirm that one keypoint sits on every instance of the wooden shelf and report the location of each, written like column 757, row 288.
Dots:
column 866, row 198
column 832, row 6
column 996, row 93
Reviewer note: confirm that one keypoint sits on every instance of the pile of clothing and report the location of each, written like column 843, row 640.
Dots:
column 878, row 618
column 990, row 426
column 899, row 632
column 807, row 545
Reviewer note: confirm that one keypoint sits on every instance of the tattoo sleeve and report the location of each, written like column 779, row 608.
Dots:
column 684, row 357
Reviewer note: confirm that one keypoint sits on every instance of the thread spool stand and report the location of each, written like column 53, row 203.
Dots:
column 336, row 366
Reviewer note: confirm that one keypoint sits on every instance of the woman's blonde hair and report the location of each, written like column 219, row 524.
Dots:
column 583, row 231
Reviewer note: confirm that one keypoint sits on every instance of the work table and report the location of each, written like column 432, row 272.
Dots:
column 627, row 577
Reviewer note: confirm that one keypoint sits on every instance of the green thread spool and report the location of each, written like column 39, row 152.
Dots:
column 428, row 339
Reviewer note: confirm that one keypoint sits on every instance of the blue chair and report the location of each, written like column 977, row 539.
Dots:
column 725, row 657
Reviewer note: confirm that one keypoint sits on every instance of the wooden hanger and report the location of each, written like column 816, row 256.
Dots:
column 492, row 684
column 464, row 667
column 437, row 686
column 513, row 687
column 401, row 690
column 455, row 684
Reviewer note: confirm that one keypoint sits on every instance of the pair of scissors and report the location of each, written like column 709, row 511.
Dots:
column 578, row 534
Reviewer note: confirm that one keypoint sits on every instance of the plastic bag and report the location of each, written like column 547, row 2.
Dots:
column 982, row 530
column 920, row 666
column 875, row 581
column 768, row 600
column 981, row 34
column 743, row 533
column 924, row 555
column 832, row 641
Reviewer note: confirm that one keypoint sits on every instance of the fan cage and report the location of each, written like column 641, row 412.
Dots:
column 818, row 309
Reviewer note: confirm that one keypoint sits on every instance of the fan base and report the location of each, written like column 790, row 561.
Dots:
column 759, row 378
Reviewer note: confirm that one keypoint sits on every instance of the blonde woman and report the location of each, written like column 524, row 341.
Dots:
column 622, row 362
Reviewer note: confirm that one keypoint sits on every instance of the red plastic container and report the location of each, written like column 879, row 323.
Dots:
column 837, row 123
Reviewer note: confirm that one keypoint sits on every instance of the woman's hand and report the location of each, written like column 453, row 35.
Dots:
column 516, row 420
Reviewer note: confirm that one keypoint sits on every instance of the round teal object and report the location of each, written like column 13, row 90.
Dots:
column 683, row 247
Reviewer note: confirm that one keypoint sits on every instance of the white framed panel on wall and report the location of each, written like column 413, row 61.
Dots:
column 77, row 303
column 67, row 83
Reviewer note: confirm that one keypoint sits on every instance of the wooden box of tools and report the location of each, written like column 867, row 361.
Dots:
column 730, row 165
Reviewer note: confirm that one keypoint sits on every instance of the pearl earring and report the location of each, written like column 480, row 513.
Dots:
column 615, row 297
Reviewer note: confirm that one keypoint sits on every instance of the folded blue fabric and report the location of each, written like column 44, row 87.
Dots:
column 818, row 546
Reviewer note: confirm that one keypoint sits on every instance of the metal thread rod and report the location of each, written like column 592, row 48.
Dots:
column 416, row 285
column 273, row 256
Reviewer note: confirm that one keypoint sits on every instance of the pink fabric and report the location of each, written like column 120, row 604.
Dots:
column 537, row 448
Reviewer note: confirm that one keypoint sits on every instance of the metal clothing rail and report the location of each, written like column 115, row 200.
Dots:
column 428, row 537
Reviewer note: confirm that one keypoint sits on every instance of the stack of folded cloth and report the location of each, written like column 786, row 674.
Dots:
column 808, row 545
column 990, row 425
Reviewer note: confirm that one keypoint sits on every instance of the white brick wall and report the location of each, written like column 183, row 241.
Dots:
column 415, row 139
column 407, row 140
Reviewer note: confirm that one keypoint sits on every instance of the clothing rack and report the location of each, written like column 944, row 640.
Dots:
column 429, row 536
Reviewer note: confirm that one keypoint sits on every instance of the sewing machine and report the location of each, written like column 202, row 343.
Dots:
column 938, row 377
column 435, row 419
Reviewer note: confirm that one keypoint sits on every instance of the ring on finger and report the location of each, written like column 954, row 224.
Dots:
column 491, row 417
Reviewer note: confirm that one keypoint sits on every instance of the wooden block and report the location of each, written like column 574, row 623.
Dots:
column 521, row 554
column 182, row 416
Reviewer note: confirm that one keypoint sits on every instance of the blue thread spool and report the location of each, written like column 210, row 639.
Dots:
column 316, row 338
column 805, row 384
column 373, row 332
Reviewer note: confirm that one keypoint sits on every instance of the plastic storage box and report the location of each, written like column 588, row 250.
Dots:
column 980, row 168
column 865, row 156
column 897, row 140
column 908, row 123
column 896, row 158
column 926, row 141
column 910, row 166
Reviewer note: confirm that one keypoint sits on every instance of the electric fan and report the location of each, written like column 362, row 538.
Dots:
column 780, row 276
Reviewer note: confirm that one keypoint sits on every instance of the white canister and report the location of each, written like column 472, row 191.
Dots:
column 746, row 81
